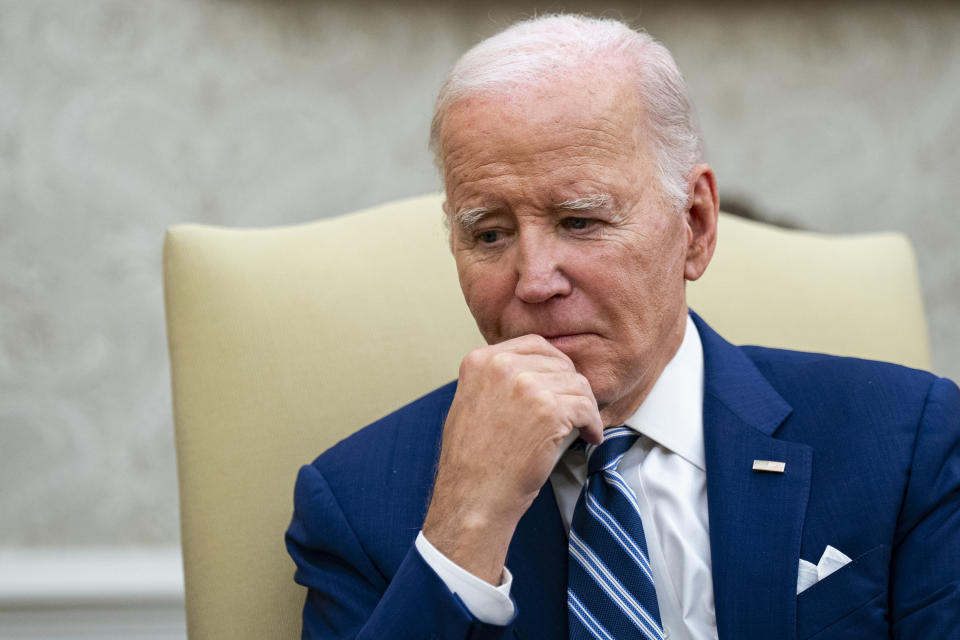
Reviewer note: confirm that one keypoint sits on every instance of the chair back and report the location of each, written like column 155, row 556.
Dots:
column 285, row 340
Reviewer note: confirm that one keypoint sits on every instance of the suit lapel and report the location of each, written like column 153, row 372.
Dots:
column 538, row 560
column 756, row 518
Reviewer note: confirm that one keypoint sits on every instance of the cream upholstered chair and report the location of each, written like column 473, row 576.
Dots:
column 284, row 340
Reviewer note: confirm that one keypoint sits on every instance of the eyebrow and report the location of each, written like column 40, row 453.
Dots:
column 598, row 201
column 468, row 218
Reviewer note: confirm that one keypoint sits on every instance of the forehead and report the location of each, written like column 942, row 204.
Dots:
column 564, row 132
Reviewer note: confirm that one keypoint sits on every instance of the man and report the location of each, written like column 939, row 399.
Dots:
column 579, row 204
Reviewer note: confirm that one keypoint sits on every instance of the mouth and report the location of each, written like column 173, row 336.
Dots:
column 566, row 340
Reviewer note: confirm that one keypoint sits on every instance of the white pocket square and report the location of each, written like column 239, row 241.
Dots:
column 810, row 574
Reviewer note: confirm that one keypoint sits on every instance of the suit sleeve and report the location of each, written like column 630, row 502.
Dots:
column 925, row 571
column 348, row 596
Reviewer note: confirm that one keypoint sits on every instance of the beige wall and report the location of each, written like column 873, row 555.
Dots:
column 121, row 117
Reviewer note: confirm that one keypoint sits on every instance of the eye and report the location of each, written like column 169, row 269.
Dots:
column 577, row 224
column 488, row 237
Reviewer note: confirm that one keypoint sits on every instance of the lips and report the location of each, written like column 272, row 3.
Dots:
column 553, row 334
column 564, row 339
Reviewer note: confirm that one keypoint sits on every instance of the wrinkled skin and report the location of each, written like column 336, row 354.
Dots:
column 574, row 267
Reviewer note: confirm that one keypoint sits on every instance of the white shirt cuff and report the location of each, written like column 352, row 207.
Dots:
column 486, row 602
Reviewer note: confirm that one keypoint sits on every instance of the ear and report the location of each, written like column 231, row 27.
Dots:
column 701, row 220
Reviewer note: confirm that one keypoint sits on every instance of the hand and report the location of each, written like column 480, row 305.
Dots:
column 515, row 403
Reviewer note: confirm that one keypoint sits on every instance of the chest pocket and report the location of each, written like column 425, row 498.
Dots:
column 849, row 603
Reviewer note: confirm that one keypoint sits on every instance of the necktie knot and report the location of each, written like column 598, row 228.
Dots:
column 607, row 455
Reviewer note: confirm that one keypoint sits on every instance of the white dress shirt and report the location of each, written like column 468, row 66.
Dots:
column 667, row 471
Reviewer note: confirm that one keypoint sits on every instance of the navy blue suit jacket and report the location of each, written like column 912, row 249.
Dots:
column 872, row 454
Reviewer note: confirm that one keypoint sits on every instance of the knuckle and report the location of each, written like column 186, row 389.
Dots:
column 474, row 356
column 502, row 362
column 544, row 405
column 584, row 385
column 566, row 364
column 587, row 409
column 473, row 360
column 526, row 382
column 588, row 406
column 539, row 340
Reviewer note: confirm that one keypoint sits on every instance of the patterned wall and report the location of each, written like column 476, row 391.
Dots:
column 121, row 117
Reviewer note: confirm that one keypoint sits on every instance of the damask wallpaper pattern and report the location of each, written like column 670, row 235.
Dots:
column 119, row 118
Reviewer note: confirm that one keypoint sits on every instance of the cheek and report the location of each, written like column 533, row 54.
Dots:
column 486, row 295
column 636, row 295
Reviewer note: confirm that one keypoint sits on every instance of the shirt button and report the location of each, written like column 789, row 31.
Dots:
column 666, row 633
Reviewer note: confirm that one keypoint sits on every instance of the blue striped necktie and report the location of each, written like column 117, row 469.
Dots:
column 610, row 590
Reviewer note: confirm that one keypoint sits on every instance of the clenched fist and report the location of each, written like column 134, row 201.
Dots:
column 515, row 403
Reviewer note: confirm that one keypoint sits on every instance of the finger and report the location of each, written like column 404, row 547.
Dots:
column 531, row 344
column 565, row 443
column 541, row 363
column 559, row 382
column 583, row 414
column 509, row 363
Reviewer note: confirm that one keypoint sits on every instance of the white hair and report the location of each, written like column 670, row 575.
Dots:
column 536, row 51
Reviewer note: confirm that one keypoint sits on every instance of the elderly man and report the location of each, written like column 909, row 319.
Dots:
column 714, row 491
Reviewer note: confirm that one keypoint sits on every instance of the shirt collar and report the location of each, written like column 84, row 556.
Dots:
column 672, row 413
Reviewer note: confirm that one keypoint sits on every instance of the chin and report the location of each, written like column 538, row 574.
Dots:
column 608, row 389
column 602, row 393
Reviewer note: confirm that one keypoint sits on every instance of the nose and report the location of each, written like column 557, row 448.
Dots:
column 540, row 276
